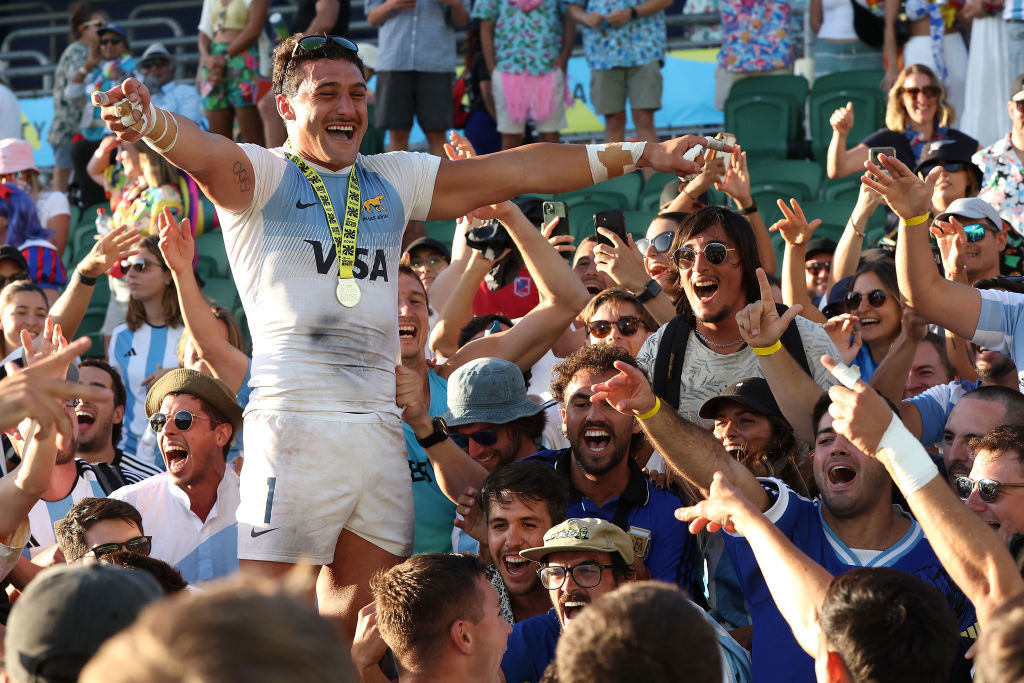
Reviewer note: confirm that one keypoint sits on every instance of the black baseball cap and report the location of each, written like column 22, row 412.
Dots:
column 820, row 245
column 11, row 253
column 753, row 392
column 948, row 149
column 430, row 243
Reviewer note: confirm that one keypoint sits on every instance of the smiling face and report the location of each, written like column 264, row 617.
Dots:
column 612, row 311
column 926, row 370
column 513, row 525
column 571, row 599
column 990, row 365
column 96, row 418
column 114, row 530
column 816, row 271
column 585, row 267
column 23, row 311
column 111, row 45
column 503, row 451
column 148, row 285
column 428, row 264
column 413, row 317
column 851, row 483
column 658, row 265
column 599, row 435
column 922, row 108
column 326, row 119
column 1005, row 515
column 970, row 418
column 981, row 258
column 880, row 324
column 741, row 430
column 194, row 457
column 715, row 292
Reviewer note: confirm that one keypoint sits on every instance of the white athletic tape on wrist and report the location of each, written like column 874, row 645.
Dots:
column 909, row 464
column 846, row 374
column 611, row 160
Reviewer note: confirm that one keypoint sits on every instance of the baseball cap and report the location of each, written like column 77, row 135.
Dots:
column 753, row 392
column 194, row 383
column 65, row 615
column 430, row 243
column 1018, row 86
column 820, row 245
column 488, row 390
column 587, row 533
column 10, row 253
column 948, row 149
column 835, row 301
column 114, row 28
column 973, row 207
column 153, row 53
column 16, row 155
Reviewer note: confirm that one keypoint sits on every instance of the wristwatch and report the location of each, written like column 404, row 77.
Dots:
column 652, row 290
column 439, row 434
column 749, row 210
column 633, row 13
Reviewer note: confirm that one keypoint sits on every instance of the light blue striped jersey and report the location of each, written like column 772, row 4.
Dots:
column 45, row 513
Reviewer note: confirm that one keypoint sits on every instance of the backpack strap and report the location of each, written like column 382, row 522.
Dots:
column 109, row 477
column 791, row 341
column 668, row 363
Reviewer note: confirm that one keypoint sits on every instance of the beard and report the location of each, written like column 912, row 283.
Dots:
column 993, row 371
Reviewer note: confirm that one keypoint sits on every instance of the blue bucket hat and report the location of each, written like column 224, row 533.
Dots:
column 488, row 390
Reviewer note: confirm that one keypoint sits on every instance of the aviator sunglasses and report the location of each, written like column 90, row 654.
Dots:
column 988, row 489
column 484, row 437
column 714, row 252
column 876, row 297
column 661, row 242
column 140, row 544
column 312, row 43
column 627, row 324
column 182, row 421
column 930, row 91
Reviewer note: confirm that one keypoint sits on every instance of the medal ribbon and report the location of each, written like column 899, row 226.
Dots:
column 344, row 236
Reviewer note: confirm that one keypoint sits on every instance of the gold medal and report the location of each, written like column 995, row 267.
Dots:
column 348, row 292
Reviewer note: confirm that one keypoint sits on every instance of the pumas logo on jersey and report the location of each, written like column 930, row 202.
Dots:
column 324, row 258
column 374, row 205
column 641, row 541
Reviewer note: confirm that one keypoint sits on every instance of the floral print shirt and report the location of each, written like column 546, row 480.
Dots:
column 635, row 43
column 67, row 111
column 1003, row 182
column 756, row 35
column 525, row 41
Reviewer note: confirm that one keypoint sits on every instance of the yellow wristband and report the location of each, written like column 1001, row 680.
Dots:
column 650, row 413
column 767, row 350
column 917, row 220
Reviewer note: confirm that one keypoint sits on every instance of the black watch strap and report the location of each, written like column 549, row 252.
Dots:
column 749, row 210
column 439, row 434
column 652, row 290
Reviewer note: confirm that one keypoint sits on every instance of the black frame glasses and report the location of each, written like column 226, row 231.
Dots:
column 988, row 489
column 929, row 91
column 140, row 544
column 628, row 325
column 815, row 267
column 714, row 252
column 484, row 437
column 183, row 421
column 662, row 242
column 876, row 299
column 553, row 577
column 313, row 43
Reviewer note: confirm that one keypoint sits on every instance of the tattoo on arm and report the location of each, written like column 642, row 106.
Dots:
column 243, row 176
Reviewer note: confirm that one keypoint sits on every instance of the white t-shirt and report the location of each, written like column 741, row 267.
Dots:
column 52, row 204
column 310, row 353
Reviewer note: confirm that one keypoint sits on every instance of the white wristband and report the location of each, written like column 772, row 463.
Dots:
column 909, row 463
column 613, row 159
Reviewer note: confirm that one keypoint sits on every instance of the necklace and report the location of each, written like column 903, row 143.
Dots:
column 708, row 342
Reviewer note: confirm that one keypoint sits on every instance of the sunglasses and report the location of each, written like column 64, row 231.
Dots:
column 139, row 265
column 714, row 252
column 818, row 267
column 949, row 166
column 484, row 437
column 661, row 242
column 876, row 297
column 140, row 544
column 930, row 91
column 111, row 41
column 988, row 489
column 586, row 575
column 627, row 324
column 5, row 280
column 182, row 421
column 313, row 43
column 974, row 232
column 430, row 261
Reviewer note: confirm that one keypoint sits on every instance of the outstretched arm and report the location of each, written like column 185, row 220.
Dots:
column 797, row 583
column 796, row 231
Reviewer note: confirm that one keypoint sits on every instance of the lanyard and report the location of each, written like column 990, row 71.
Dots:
column 344, row 237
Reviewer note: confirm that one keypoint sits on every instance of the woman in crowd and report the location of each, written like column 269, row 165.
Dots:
column 116, row 168
column 20, row 227
column 145, row 346
column 935, row 42
column 18, row 168
column 838, row 48
column 874, row 302
column 616, row 317
column 23, row 306
column 142, row 204
column 917, row 113
column 83, row 42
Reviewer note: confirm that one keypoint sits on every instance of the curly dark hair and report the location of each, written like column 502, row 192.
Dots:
column 595, row 357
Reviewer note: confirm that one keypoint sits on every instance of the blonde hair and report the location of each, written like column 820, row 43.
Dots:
column 896, row 114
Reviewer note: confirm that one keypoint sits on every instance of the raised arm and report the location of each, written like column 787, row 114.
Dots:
column 797, row 583
column 851, row 243
column 948, row 304
column 736, row 184
column 796, row 232
column 692, row 450
column 219, row 166
column 969, row 550
column 458, row 308
column 841, row 161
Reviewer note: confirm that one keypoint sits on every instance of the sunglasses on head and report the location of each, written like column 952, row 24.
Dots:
column 140, row 544
column 98, row 23
column 818, row 267
column 930, row 91
column 484, row 437
column 876, row 297
column 5, row 280
column 110, row 41
column 714, row 252
column 313, row 43
column 661, row 242
column 988, row 489
column 183, row 420
column 627, row 324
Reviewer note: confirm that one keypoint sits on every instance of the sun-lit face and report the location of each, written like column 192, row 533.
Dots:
column 326, row 119
column 515, row 524
column 877, row 323
column 970, row 418
column 982, row 258
column 950, row 186
column 816, row 272
column 612, row 311
column 599, row 435
column 715, row 291
column 492, row 628
column 926, row 370
column 571, row 599
column 194, row 457
column 413, row 316
column 23, row 311
column 585, row 267
column 428, row 264
column 1005, row 515
column 491, row 445
column 114, row 530
column 96, row 418
column 922, row 107
column 112, row 45
column 851, row 483
column 149, row 283
column 658, row 264
column 741, row 430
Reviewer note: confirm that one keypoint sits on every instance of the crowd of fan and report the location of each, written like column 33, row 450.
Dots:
column 616, row 446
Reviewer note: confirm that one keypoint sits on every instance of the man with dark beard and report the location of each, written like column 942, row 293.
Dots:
column 607, row 484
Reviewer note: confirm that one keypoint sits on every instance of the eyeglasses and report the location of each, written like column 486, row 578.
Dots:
column 714, row 252
column 975, row 232
column 140, row 544
column 948, row 166
column 988, row 489
column 585, row 575
column 816, row 267
column 182, row 421
column 311, row 43
column 138, row 265
column 430, row 261
column 876, row 297
column 111, row 41
column 661, row 242
column 4, row 281
column 628, row 325
column 155, row 63
column 484, row 437
column 930, row 91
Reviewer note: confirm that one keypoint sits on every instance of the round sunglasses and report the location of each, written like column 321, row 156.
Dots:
column 661, row 242
column 628, row 325
column 714, row 252
column 484, row 437
column 183, row 420
column 140, row 544
column 988, row 489
column 876, row 297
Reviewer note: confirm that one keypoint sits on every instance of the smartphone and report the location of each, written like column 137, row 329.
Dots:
column 727, row 138
column 613, row 220
column 560, row 211
column 873, row 153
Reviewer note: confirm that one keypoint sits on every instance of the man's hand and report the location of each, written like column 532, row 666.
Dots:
column 619, row 17
column 458, row 146
column 860, row 414
column 472, row 520
column 628, row 392
column 112, row 108
column 109, row 250
column 952, row 242
column 760, row 323
column 724, row 508
column 667, row 157
column 593, row 19
column 409, row 397
column 368, row 648
column 736, row 182
column 903, row 191
column 563, row 244
column 712, row 173
column 794, row 228
column 842, row 119
column 176, row 242
column 844, row 330
column 621, row 261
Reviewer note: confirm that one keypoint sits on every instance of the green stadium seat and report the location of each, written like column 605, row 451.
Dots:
column 638, row 221
column 766, row 195
column 596, row 195
column 868, row 115
column 842, row 189
column 807, row 174
column 628, row 186
column 835, row 215
column 650, row 195
column 92, row 323
column 842, row 80
column 791, row 86
column 761, row 123
column 212, row 256
column 98, row 348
